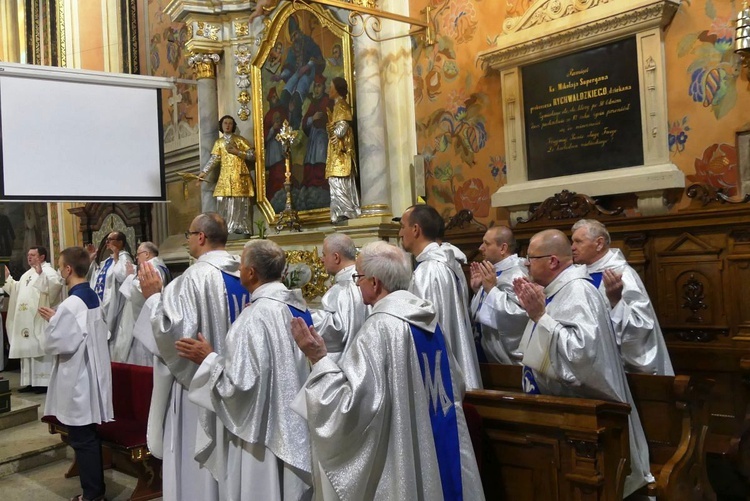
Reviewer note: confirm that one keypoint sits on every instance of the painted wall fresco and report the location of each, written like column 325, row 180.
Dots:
column 167, row 57
column 459, row 120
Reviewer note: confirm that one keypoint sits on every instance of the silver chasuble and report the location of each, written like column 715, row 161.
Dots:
column 439, row 279
column 571, row 352
column 498, row 318
column 342, row 314
column 387, row 421
column 639, row 335
column 206, row 299
column 250, row 387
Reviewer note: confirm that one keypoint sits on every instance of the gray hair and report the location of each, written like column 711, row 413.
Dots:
column 266, row 257
column 594, row 229
column 341, row 244
column 213, row 227
column 503, row 235
column 387, row 263
column 150, row 247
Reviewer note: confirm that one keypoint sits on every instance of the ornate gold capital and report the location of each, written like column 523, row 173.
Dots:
column 204, row 65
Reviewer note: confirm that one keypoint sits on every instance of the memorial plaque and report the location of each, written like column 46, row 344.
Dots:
column 583, row 112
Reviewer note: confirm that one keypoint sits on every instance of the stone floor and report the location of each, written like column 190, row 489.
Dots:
column 24, row 447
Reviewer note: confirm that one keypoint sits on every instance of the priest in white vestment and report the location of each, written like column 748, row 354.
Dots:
column 80, row 392
column 497, row 316
column 107, row 276
column 569, row 346
column 40, row 286
column 342, row 311
column 127, row 348
column 387, row 422
column 206, row 298
column 250, row 387
column 637, row 329
column 439, row 279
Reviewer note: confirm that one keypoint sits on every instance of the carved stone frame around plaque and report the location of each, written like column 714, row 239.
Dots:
column 553, row 28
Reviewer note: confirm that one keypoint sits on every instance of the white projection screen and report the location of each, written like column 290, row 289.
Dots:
column 70, row 135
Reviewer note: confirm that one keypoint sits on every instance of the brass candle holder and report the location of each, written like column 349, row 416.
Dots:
column 288, row 217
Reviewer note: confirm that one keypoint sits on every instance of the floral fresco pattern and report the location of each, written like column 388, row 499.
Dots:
column 714, row 71
column 678, row 135
column 718, row 168
column 459, row 120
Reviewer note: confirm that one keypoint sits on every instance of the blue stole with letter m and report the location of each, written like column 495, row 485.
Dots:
column 436, row 374
column 237, row 296
column 102, row 277
column 304, row 315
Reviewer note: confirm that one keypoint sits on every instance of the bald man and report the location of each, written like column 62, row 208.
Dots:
column 569, row 346
column 497, row 316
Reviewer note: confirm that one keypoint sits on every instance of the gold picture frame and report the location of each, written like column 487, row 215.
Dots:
column 281, row 91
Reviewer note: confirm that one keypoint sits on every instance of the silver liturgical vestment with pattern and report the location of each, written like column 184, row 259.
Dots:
column 439, row 279
column 342, row 313
column 369, row 415
column 501, row 317
column 250, row 388
column 639, row 335
column 572, row 352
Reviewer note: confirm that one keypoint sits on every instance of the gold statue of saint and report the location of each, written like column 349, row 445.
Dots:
column 234, row 187
column 340, row 164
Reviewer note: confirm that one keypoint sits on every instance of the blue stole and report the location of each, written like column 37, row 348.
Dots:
column 528, row 382
column 481, row 355
column 304, row 315
column 86, row 294
column 237, row 296
column 596, row 278
column 102, row 277
column 436, row 374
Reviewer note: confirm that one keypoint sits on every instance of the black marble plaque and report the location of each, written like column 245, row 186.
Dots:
column 582, row 112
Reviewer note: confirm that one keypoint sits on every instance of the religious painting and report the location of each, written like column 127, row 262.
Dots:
column 22, row 225
column 304, row 50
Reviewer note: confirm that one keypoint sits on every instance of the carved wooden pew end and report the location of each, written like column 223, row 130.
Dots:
column 581, row 437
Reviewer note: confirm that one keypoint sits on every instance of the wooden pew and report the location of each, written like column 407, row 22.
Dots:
column 674, row 414
column 540, row 448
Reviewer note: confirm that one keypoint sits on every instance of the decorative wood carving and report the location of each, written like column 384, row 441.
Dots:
column 709, row 194
column 92, row 216
column 694, row 299
column 464, row 218
column 568, row 205
column 696, row 335
column 585, row 448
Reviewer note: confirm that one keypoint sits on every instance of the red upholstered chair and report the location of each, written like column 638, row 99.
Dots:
column 131, row 398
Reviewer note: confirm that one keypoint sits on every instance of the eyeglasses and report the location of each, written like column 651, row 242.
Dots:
column 356, row 277
column 188, row 233
column 141, row 252
column 529, row 258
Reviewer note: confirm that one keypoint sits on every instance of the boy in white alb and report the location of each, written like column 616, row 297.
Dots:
column 80, row 388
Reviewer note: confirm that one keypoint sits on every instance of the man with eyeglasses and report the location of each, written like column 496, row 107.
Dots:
column 639, row 335
column 387, row 421
column 498, row 317
column 128, row 348
column 439, row 279
column 206, row 298
column 342, row 311
column 569, row 344
column 106, row 276
column 251, row 385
